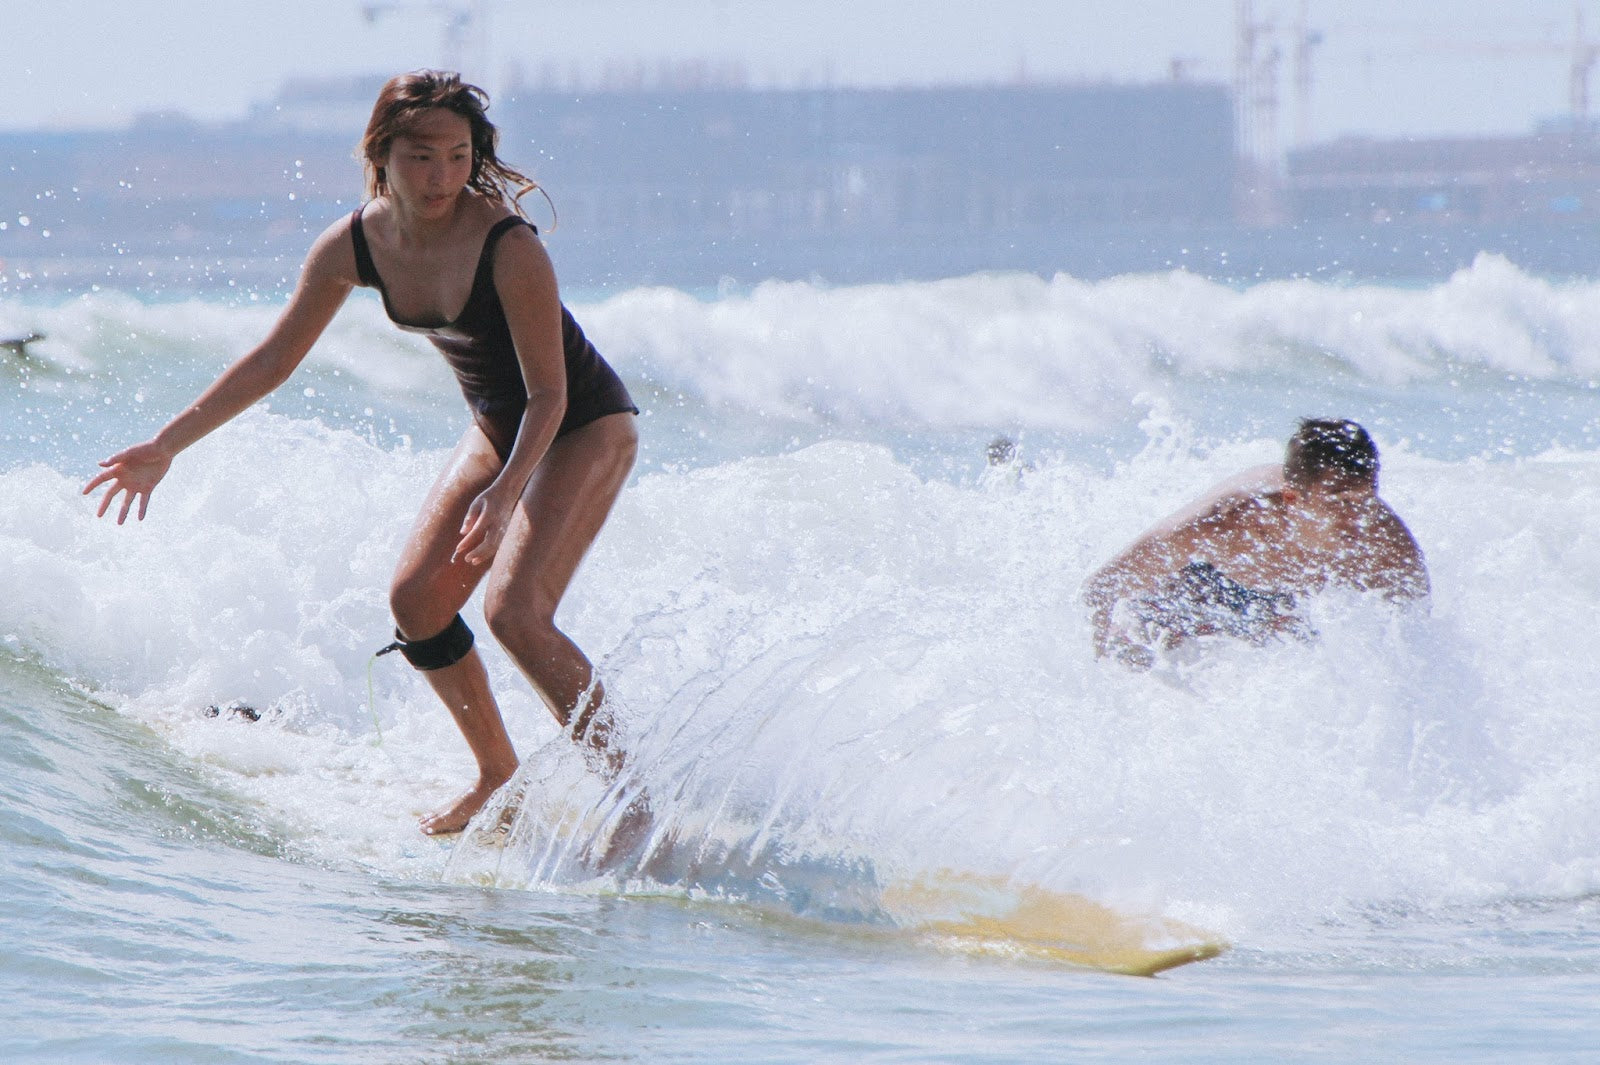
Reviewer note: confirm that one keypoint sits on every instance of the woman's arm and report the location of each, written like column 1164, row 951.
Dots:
column 526, row 284
column 324, row 283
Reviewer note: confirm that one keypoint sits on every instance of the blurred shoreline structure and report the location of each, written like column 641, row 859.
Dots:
column 712, row 182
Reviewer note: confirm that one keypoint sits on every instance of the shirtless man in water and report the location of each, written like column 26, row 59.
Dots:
column 1237, row 560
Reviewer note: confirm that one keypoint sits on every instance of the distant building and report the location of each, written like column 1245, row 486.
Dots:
column 1549, row 176
column 169, row 202
column 692, row 180
column 319, row 106
column 659, row 183
column 863, row 160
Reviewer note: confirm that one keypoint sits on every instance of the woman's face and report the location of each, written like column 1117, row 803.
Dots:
column 430, row 164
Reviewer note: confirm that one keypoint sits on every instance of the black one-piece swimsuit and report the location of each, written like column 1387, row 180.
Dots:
column 478, row 347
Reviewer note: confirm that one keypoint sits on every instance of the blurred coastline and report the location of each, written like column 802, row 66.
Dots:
column 703, row 184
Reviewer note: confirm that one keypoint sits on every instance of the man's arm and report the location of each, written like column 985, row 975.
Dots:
column 1397, row 568
column 1145, row 565
column 1204, row 530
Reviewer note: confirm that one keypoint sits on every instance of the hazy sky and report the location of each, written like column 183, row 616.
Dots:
column 1454, row 66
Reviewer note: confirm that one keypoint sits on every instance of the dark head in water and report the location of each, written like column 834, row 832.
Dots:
column 1330, row 450
column 234, row 709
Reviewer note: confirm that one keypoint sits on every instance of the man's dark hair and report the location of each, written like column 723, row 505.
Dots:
column 1323, row 446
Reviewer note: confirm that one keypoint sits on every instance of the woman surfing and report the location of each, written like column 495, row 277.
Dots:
column 531, row 482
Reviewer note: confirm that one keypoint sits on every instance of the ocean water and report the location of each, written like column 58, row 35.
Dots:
column 848, row 653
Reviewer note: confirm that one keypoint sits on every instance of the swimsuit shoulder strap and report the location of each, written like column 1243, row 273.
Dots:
column 365, row 270
column 496, row 231
column 485, row 274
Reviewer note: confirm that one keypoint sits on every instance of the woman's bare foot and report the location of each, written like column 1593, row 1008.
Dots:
column 454, row 818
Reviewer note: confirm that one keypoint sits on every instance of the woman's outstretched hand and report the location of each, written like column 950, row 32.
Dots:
column 133, row 473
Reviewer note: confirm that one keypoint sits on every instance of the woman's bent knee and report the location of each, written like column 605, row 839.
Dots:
column 420, row 609
column 519, row 628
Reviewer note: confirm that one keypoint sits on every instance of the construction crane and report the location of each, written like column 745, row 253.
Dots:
column 1258, row 52
column 1581, row 52
column 465, row 30
column 1584, row 54
column 1255, row 83
column 1305, row 39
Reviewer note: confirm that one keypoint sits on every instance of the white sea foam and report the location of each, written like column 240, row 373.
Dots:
column 825, row 652
column 1004, row 351
column 1019, row 350
column 824, row 649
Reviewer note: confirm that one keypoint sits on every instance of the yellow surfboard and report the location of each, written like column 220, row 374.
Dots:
column 987, row 915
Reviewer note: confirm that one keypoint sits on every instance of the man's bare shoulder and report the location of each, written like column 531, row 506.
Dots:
column 1242, row 497
column 1395, row 559
column 1254, row 481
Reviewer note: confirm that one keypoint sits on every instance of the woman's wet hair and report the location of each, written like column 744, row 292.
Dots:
column 1324, row 446
column 401, row 102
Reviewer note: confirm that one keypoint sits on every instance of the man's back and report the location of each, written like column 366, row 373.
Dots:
column 1261, row 539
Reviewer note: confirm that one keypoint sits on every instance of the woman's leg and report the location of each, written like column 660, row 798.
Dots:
column 428, row 591
column 563, row 508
